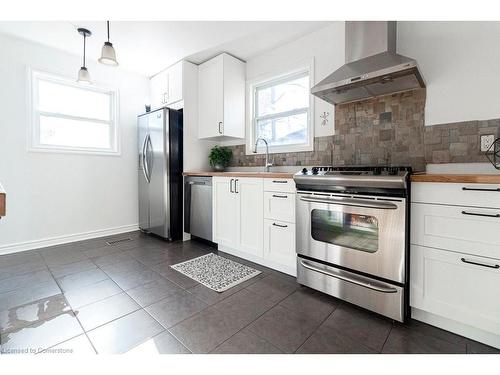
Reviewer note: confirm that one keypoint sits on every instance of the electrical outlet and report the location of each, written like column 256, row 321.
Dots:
column 486, row 141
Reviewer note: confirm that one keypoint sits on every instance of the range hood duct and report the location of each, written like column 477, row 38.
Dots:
column 372, row 68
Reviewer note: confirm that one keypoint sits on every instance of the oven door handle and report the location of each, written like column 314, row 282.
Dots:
column 379, row 287
column 352, row 202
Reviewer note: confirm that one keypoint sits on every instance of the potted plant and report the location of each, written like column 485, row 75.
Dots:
column 219, row 158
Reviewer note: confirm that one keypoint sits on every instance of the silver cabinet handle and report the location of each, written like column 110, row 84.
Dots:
column 479, row 214
column 279, row 196
column 352, row 202
column 279, row 182
column 231, row 185
column 196, row 183
column 373, row 286
column 236, row 186
column 494, row 266
column 220, row 124
column 280, row 225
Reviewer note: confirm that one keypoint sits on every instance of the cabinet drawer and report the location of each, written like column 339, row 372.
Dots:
column 286, row 185
column 279, row 243
column 279, row 206
column 466, row 229
column 443, row 283
column 477, row 195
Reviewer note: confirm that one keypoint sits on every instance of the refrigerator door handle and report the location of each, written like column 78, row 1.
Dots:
column 149, row 148
column 145, row 168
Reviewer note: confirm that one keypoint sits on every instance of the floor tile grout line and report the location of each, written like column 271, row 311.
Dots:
column 316, row 329
column 386, row 339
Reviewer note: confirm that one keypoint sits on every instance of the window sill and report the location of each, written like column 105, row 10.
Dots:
column 50, row 150
column 280, row 149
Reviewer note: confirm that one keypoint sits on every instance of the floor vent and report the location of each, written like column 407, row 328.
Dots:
column 111, row 243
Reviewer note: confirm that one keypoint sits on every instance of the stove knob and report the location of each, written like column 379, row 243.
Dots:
column 393, row 171
column 315, row 170
column 377, row 171
column 304, row 171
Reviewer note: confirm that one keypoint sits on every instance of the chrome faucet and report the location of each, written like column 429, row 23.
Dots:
column 268, row 164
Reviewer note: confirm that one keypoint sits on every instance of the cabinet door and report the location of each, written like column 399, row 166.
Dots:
column 279, row 244
column 175, row 83
column 450, row 285
column 250, row 196
column 210, row 98
column 224, row 212
column 158, row 90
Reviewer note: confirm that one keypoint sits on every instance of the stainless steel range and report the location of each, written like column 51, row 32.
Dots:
column 352, row 235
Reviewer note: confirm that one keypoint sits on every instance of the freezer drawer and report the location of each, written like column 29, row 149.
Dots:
column 380, row 297
column 198, row 206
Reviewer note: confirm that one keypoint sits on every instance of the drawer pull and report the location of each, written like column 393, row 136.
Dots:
column 279, row 225
column 495, row 266
column 279, row 182
column 480, row 189
column 280, row 196
column 478, row 214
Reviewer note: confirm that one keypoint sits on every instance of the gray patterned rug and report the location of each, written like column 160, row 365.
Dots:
column 215, row 272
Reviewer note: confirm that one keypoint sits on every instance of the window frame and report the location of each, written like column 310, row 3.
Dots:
column 272, row 80
column 34, row 145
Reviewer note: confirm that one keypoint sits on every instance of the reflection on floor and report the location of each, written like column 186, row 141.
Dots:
column 89, row 297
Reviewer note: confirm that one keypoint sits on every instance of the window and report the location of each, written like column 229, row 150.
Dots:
column 281, row 112
column 70, row 117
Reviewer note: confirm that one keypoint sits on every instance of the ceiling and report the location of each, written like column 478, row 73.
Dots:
column 148, row 47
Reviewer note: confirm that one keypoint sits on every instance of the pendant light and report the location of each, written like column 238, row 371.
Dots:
column 108, row 55
column 83, row 73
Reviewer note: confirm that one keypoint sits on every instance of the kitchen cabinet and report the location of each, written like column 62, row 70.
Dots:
column 455, row 258
column 221, row 97
column 457, row 286
column 166, row 87
column 237, row 214
column 225, row 211
column 279, row 244
column 255, row 224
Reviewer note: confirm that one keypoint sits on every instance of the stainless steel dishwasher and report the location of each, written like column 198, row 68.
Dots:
column 198, row 206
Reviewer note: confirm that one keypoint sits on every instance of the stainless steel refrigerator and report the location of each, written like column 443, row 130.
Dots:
column 160, row 173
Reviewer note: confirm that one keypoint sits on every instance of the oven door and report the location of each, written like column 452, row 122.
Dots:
column 360, row 233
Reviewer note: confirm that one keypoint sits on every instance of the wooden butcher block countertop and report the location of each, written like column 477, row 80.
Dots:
column 242, row 174
column 3, row 197
column 457, row 178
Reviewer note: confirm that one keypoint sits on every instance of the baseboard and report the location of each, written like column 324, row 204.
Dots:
column 461, row 329
column 60, row 240
column 259, row 260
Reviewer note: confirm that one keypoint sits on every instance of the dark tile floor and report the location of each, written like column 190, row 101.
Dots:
column 90, row 297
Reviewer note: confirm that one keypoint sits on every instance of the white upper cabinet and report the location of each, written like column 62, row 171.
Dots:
column 221, row 100
column 167, row 86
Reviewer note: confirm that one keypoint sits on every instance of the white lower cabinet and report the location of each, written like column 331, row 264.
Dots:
column 249, row 197
column 255, row 224
column 279, row 243
column 455, row 261
column 225, row 211
column 461, row 287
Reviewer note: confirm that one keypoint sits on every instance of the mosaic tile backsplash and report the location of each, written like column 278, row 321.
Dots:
column 388, row 130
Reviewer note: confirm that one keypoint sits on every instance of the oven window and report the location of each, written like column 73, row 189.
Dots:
column 359, row 232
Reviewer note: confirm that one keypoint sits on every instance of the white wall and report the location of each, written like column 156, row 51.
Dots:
column 53, row 195
column 325, row 46
column 460, row 62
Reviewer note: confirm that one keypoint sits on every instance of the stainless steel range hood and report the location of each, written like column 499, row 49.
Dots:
column 372, row 67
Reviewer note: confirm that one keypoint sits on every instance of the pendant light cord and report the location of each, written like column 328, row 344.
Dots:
column 84, row 37
column 107, row 22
